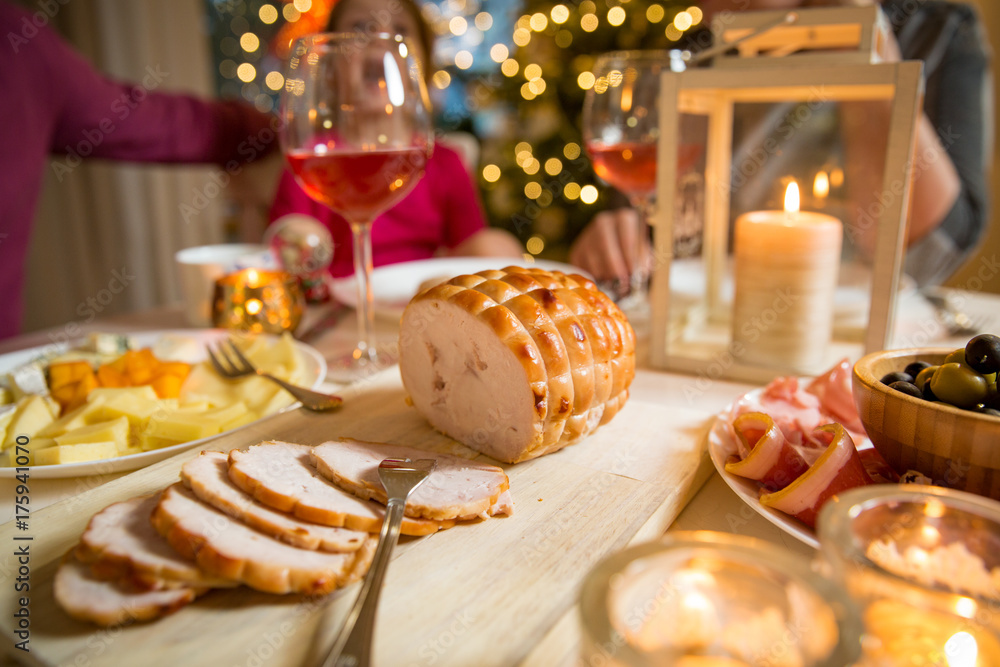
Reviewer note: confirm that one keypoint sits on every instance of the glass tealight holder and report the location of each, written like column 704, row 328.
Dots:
column 706, row 599
column 923, row 563
column 258, row 301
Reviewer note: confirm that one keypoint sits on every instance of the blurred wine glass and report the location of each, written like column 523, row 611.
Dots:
column 620, row 132
column 357, row 134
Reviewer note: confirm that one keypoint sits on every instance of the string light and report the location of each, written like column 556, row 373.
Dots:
column 458, row 25
column 274, row 80
column 491, row 173
column 696, row 14
column 585, row 80
column 290, row 13
column 499, row 52
column 527, row 93
column 532, row 190
column 672, row 33
column 589, row 22
column 564, row 38
column 655, row 13
column 571, row 191
column 559, row 14
column 683, row 21
column 537, row 86
column 588, row 194
column 571, row 151
column 616, row 16
column 268, row 14
column 249, row 42
column 539, row 22
column 535, row 245
column 463, row 59
column 484, row 21
column 522, row 37
column 246, row 72
column 509, row 67
column 303, row 5
column 441, row 79
column 553, row 166
column 532, row 71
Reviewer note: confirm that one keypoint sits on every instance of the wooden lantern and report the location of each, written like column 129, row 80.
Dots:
column 697, row 337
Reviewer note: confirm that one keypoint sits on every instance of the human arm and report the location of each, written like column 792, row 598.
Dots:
column 100, row 117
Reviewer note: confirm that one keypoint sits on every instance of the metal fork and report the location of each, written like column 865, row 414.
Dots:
column 353, row 645
column 954, row 319
column 236, row 365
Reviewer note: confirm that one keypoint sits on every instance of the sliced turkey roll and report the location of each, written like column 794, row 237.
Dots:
column 227, row 548
column 456, row 489
column 281, row 475
column 208, row 477
column 85, row 597
column 121, row 543
column 516, row 363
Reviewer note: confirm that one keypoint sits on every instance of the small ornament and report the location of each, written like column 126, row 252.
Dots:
column 304, row 247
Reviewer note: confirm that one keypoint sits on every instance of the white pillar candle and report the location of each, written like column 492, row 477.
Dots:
column 786, row 265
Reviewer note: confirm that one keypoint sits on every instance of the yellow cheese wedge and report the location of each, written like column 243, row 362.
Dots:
column 28, row 450
column 115, row 431
column 91, row 451
column 30, row 417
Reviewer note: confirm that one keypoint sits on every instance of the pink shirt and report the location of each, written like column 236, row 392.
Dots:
column 441, row 211
column 56, row 104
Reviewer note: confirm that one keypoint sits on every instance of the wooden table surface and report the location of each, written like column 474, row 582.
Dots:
column 499, row 592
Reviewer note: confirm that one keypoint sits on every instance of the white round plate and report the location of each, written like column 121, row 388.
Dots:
column 393, row 285
column 315, row 367
column 721, row 446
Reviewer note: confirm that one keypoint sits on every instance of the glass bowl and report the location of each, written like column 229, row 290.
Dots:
column 923, row 563
column 705, row 599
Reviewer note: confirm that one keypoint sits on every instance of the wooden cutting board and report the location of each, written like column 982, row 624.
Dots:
column 485, row 593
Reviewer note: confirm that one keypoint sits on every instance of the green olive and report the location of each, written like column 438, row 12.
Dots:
column 924, row 376
column 958, row 357
column 959, row 385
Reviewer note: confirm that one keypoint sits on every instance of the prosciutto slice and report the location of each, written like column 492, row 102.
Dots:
column 770, row 458
column 85, row 597
column 838, row 468
column 835, row 393
column 457, row 488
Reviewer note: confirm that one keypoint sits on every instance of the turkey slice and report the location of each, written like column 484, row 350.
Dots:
column 457, row 488
column 227, row 548
column 121, row 543
column 86, row 598
column 208, row 477
column 279, row 474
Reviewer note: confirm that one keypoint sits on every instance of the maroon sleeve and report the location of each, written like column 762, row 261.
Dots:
column 463, row 212
column 100, row 117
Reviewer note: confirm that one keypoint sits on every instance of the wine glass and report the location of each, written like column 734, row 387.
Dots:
column 620, row 131
column 357, row 134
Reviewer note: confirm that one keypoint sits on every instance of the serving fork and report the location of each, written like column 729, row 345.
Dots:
column 230, row 363
column 399, row 477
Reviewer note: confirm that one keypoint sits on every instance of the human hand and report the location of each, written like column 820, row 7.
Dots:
column 614, row 246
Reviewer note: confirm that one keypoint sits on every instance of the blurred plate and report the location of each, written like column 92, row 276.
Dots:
column 395, row 284
column 186, row 345
column 721, row 445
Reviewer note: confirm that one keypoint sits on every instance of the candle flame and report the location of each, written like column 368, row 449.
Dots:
column 792, row 198
column 254, row 306
column 821, row 185
column 961, row 650
column 252, row 277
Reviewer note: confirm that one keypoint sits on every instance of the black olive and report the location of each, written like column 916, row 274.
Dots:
column 982, row 353
column 915, row 368
column 896, row 376
column 907, row 388
column 929, row 393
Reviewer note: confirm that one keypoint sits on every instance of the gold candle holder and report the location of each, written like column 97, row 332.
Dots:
column 258, row 301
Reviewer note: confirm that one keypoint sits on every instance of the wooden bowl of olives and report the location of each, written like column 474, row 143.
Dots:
column 946, row 423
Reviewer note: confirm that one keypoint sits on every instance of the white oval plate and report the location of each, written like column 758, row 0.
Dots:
column 721, row 446
column 315, row 369
column 395, row 284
